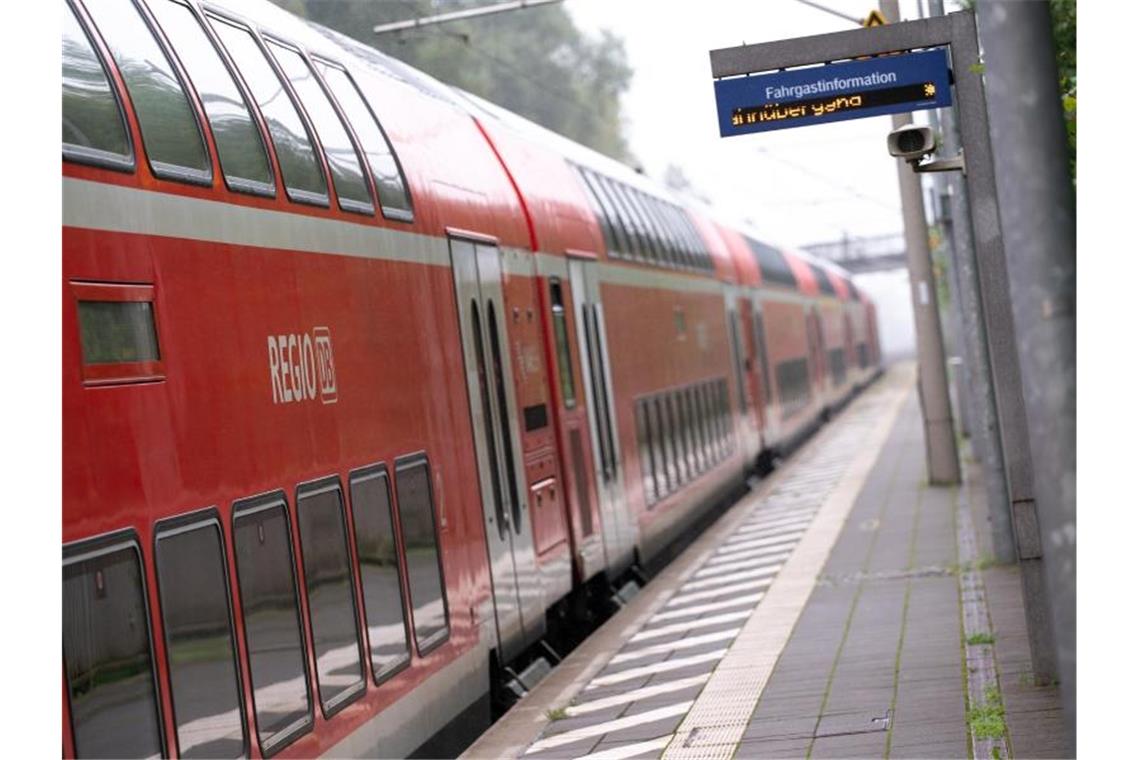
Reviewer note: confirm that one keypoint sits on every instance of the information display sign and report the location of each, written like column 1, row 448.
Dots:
column 833, row 92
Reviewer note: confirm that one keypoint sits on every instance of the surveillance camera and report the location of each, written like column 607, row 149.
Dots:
column 911, row 142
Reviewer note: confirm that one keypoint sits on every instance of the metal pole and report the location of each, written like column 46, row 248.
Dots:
column 934, row 393
column 1038, row 221
column 984, row 437
column 1001, row 340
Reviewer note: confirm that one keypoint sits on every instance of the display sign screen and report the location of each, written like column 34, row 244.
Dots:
column 833, row 92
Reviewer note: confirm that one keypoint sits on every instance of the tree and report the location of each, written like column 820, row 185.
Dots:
column 534, row 62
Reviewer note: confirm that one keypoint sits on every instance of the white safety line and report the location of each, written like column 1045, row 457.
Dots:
column 668, row 630
column 757, row 543
column 658, row 667
column 577, row 734
column 673, row 646
column 772, row 525
column 761, row 572
column 745, row 564
column 628, row 750
column 645, row 692
column 763, row 517
column 700, row 609
column 713, row 593
column 767, row 551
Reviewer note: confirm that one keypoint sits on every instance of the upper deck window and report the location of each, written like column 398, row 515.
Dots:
column 93, row 127
column 352, row 190
column 245, row 162
column 395, row 202
column 822, row 279
column 300, row 171
column 774, row 269
column 170, row 132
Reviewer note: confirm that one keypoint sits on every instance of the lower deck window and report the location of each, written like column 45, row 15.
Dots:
column 793, row 385
column 268, row 587
column 838, row 362
column 379, row 571
column 107, row 654
column 200, row 656
column 421, row 550
column 328, row 583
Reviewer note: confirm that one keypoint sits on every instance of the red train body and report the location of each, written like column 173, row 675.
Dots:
column 330, row 463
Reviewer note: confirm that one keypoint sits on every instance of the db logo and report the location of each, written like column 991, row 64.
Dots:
column 300, row 364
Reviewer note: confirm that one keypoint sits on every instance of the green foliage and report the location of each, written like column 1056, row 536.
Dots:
column 987, row 720
column 980, row 638
column 556, row 714
column 1064, row 14
column 534, row 62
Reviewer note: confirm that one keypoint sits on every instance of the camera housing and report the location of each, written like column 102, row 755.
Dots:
column 911, row 142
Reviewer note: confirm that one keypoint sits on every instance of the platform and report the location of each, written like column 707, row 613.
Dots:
column 839, row 610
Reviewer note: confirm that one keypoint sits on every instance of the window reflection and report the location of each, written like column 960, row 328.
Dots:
column 379, row 571
column 169, row 128
column 328, row 582
column 92, row 122
column 107, row 656
column 272, row 622
column 199, row 642
column 348, row 178
column 417, row 521
column 240, row 149
column 303, row 176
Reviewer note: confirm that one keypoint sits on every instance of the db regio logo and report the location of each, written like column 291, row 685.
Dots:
column 300, row 365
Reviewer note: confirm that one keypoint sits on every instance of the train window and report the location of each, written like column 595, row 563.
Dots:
column 329, row 586
column 379, row 571
column 201, row 657
column 671, row 215
column 625, row 217
column 668, row 239
column 267, row 587
column 728, row 422
column 352, row 192
column 692, row 437
column 793, row 385
column 657, row 449
column 645, row 451
column 642, row 221
column 170, row 132
column 562, row 343
column 107, row 654
column 696, row 244
column 421, row 551
column 118, row 336
column 395, row 203
column 241, row 150
column 696, row 433
column 774, row 269
column 608, row 232
column 300, row 171
column 683, row 454
column 672, row 438
column 838, row 363
column 94, row 129
column 621, row 243
column 664, row 444
column 708, row 414
column 637, row 225
column 821, row 278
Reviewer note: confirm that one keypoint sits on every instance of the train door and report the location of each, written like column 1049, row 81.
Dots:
column 519, row 614
column 568, row 389
column 751, row 437
column 617, row 529
column 767, row 401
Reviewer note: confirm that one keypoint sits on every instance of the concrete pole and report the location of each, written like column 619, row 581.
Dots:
column 985, row 438
column 933, row 390
column 1037, row 201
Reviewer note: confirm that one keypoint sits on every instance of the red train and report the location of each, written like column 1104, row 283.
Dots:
column 367, row 384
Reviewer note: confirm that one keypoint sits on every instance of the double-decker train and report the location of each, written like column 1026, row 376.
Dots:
column 369, row 386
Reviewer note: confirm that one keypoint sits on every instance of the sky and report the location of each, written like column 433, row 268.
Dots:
column 800, row 186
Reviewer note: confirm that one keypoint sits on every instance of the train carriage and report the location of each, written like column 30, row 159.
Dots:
column 366, row 385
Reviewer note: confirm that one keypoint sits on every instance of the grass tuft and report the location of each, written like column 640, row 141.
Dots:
column 987, row 721
column 980, row 638
column 557, row 713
